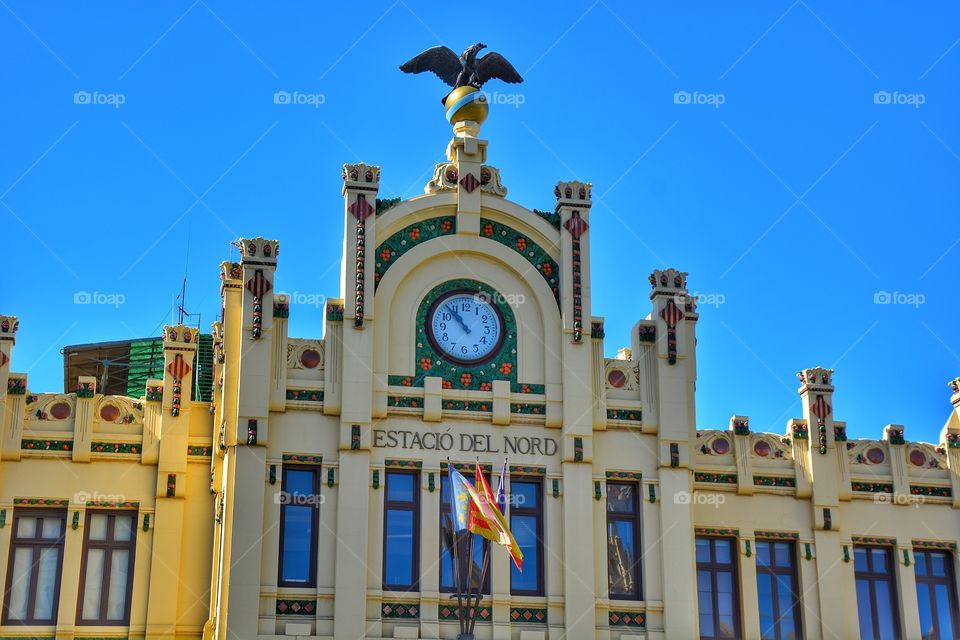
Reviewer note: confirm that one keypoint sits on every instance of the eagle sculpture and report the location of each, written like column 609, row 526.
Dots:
column 465, row 69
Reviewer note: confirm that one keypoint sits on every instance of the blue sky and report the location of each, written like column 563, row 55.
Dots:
column 791, row 190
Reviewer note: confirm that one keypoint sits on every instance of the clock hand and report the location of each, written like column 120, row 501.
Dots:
column 458, row 318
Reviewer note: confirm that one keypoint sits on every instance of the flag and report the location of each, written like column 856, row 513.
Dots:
column 487, row 520
column 501, row 489
column 460, row 498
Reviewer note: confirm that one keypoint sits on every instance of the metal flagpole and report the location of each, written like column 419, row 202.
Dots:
column 456, row 543
column 469, row 611
column 483, row 578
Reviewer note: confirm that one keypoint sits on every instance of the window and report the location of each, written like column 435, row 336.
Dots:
column 876, row 593
column 623, row 541
column 33, row 573
column 778, row 590
column 936, row 595
column 299, row 521
column 106, row 574
column 526, row 523
column 717, row 589
column 401, row 531
column 480, row 545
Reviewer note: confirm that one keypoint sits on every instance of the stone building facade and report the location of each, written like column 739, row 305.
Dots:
column 307, row 498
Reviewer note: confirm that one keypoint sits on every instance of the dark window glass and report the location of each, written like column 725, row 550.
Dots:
column 876, row 593
column 936, row 595
column 34, row 567
column 623, row 541
column 480, row 544
column 778, row 591
column 717, row 594
column 401, row 531
column 299, row 522
column 526, row 523
column 106, row 574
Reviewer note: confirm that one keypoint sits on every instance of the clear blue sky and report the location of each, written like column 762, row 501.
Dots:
column 794, row 202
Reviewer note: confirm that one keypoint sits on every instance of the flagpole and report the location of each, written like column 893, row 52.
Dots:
column 456, row 543
column 483, row 578
column 469, row 583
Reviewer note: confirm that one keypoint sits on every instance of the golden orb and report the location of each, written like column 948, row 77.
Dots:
column 466, row 103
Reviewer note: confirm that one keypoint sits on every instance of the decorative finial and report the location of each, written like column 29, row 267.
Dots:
column 466, row 74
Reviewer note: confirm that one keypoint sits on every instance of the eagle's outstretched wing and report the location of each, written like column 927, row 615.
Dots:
column 439, row 60
column 494, row 65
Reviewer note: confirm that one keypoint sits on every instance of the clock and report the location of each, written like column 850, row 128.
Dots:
column 465, row 327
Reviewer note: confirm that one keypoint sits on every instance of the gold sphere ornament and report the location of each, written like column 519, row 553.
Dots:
column 466, row 103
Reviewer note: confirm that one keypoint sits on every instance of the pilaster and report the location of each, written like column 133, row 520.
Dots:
column 152, row 421
column 333, row 357
column 278, row 361
column 467, row 152
column 349, row 607
column 599, row 381
column 816, row 394
column 83, row 418
column 950, row 437
column 673, row 354
column 12, row 391
column 742, row 451
column 897, row 451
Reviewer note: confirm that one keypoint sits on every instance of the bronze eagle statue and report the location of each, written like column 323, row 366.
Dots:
column 465, row 69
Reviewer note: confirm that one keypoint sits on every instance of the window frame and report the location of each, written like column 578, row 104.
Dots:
column 109, row 546
column 446, row 510
column 537, row 513
column 634, row 519
column 949, row 580
column 774, row 571
column 399, row 505
column 36, row 544
column 714, row 567
column 315, row 525
column 872, row 577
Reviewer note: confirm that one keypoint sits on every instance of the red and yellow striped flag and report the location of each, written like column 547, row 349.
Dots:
column 487, row 521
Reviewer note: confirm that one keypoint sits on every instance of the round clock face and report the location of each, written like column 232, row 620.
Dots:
column 465, row 327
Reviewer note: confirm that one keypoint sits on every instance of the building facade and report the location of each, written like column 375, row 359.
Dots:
column 308, row 498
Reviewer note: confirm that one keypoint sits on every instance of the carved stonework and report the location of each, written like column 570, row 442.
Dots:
column 445, row 178
column 259, row 248
column 714, row 442
column 770, row 446
column 8, row 328
column 52, row 406
column 230, row 270
column 361, row 172
column 305, row 354
column 867, row 452
column 816, row 379
column 490, row 181
column 668, row 280
column 118, row 410
column 575, row 191
column 180, row 333
column 622, row 374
